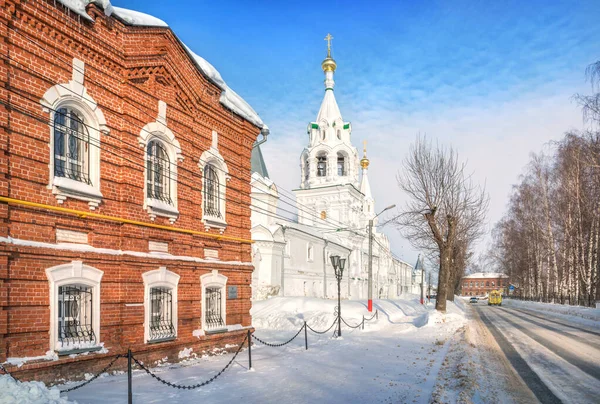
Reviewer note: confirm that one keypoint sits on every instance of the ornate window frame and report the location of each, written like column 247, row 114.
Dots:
column 74, row 273
column 214, row 280
column 74, row 95
column 158, row 131
column 160, row 277
column 215, row 159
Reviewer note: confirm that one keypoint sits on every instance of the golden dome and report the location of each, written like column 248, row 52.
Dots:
column 328, row 65
column 364, row 162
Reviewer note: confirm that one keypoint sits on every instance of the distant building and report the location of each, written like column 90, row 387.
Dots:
column 480, row 283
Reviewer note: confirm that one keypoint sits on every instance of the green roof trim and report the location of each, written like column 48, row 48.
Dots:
column 314, row 126
column 347, row 126
column 328, row 88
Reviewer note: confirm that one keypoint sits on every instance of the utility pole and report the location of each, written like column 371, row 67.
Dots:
column 429, row 286
column 422, row 286
column 370, row 303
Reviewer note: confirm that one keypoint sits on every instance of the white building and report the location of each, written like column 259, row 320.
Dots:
column 334, row 206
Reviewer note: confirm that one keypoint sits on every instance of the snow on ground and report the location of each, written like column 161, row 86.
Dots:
column 14, row 392
column 396, row 358
column 586, row 316
column 475, row 370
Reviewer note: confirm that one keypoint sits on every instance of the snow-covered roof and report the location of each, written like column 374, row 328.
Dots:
column 229, row 98
column 485, row 275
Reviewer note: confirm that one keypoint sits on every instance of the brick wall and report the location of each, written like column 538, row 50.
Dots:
column 481, row 286
column 127, row 71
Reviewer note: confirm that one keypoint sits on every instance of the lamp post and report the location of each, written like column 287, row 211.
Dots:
column 338, row 266
column 370, row 303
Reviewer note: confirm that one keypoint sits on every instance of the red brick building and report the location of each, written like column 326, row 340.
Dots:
column 124, row 191
column 481, row 283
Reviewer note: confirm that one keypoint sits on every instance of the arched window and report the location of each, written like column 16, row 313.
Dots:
column 74, row 307
column 323, row 134
column 310, row 253
column 212, row 206
column 214, row 298
column 341, row 165
column 160, row 305
column 158, row 172
column 306, row 169
column 339, row 134
column 76, row 125
column 71, row 146
column 321, row 165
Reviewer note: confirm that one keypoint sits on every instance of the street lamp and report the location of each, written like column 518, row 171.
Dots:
column 338, row 266
column 370, row 304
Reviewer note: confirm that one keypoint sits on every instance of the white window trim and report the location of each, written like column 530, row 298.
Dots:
column 74, row 273
column 158, row 130
column 214, row 280
column 212, row 156
column 74, row 95
column 160, row 277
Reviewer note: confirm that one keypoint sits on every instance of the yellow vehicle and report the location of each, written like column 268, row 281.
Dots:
column 495, row 298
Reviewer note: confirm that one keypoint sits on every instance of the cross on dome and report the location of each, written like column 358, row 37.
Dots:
column 328, row 38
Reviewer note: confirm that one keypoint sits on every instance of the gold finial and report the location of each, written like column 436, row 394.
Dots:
column 364, row 162
column 328, row 64
column 328, row 38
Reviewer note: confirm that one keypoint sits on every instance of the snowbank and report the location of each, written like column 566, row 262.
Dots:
column 13, row 392
column 289, row 313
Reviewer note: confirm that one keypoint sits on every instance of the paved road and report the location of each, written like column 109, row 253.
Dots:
column 559, row 361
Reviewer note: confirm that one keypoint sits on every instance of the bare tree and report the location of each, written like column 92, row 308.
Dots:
column 590, row 104
column 445, row 211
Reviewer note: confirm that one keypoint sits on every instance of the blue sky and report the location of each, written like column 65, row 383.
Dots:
column 493, row 80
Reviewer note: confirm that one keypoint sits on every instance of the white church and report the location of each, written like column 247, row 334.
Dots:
column 334, row 205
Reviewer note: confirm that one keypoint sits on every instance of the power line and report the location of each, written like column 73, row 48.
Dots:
column 298, row 204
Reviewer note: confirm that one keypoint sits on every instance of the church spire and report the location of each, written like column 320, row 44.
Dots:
column 329, row 110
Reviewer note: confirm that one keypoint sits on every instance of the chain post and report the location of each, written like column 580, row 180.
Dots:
column 305, row 336
column 363, row 323
column 377, row 314
column 249, row 350
column 129, row 381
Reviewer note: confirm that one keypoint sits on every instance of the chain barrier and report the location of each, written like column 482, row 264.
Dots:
column 95, row 376
column 373, row 316
column 194, row 386
column 356, row 326
column 283, row 343
column 322, row 332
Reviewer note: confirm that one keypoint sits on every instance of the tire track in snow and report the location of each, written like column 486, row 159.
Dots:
column 592, row 343
column 531, row 378
column 588, row 367
column 567, row 382
column 556, row 322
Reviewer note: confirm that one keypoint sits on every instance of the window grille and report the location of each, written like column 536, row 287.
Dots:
column 75, row 311
column 340, row 166
column 211, row 192
column 158, row 172
column 213, row 316
column 321, row 166
column 71, row 146
column 161, row 314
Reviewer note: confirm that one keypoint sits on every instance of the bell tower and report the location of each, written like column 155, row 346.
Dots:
column 329, row 164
